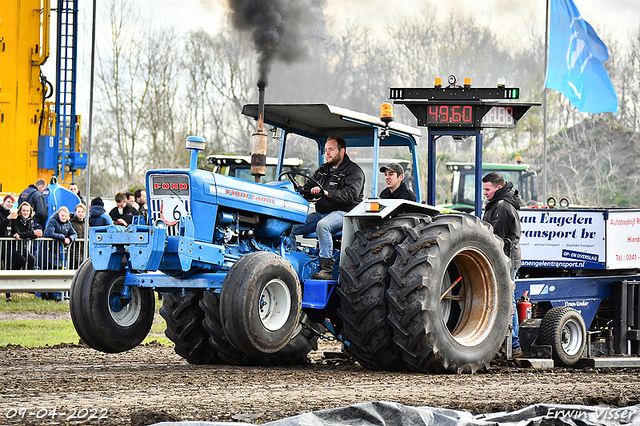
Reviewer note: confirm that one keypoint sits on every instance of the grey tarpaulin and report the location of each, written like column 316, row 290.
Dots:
column 393, row 414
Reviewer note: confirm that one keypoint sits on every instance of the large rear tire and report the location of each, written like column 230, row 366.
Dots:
column 363, row 283
column 184, row 317
column 104, row 320
column 564, row 329
column 260, row 303
column 450, row 295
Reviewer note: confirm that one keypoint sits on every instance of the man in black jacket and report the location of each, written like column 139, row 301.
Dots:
column 342, row 189
column 123, row 213
column 33, row 195
column 501, row 212
column 396, row 188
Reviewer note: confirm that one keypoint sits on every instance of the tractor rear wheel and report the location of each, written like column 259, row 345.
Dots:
column 564, row 329
column 260, row 303
column 184, row 317
column 363, row 282
column 450, row 295
column 102, row 317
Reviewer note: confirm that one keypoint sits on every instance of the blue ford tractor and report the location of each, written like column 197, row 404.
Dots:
column 413, row 288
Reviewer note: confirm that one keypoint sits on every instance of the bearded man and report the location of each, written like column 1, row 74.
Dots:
column 342, row 188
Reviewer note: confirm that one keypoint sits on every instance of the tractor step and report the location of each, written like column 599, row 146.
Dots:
column 316, row 293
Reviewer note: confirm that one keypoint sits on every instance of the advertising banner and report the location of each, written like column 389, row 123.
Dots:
column 623, row 240
column 563, row 238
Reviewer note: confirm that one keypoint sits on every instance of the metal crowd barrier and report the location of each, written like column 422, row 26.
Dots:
column 40, row 265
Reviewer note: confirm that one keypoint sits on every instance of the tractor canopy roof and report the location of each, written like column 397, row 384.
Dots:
column 319, row 121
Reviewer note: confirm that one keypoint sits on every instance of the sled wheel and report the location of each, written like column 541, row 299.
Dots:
column 102, row 318
column 184, row 317
column 563, row 328
column 361, row 291
column 450, row 295
column 260, row 303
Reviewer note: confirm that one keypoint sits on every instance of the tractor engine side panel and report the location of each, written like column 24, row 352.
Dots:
column 276, row 200
column 223, row 206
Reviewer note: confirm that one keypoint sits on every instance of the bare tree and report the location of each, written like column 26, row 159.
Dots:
column 165, row 144
column 122, row 89
column 221, row 78
column 156, row 88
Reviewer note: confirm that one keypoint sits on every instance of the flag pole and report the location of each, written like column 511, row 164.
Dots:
column 544, row 105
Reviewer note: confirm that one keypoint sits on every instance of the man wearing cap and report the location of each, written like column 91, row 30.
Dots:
column 396, row 188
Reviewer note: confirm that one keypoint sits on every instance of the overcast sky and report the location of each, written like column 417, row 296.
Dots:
column 618, row 17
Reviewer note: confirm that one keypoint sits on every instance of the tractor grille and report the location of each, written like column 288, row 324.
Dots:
column 171, row 193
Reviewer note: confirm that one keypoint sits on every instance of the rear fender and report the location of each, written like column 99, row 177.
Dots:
column 359, row 218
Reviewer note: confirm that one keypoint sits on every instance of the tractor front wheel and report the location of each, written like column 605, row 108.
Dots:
column 103, row 318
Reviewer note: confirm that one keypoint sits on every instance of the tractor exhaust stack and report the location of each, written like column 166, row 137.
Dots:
column 259, row 140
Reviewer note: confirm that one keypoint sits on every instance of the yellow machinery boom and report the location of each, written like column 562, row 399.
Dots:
column 24, row 117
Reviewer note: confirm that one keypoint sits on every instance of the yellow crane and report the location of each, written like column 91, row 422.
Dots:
column 38, row 139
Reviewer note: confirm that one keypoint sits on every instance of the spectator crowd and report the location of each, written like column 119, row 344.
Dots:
column 25, row 224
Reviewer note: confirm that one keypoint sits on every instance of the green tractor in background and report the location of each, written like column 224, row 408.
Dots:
column 463, row 183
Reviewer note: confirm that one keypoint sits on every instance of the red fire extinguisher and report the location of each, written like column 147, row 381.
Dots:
column 524, row 307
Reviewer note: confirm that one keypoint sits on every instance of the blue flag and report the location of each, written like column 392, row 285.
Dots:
column 576, row 54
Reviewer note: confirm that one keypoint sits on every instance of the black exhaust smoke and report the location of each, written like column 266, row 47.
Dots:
column 280, row 31
column 280, row 28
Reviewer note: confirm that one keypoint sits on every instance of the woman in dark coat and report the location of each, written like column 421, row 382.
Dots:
column 22, row 229
column 6, row 250
column 59, row 228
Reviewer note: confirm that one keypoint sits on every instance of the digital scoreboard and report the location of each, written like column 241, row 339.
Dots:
column 463, row 107
column 461, row 110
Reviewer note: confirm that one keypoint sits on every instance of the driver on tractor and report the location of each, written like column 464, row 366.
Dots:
column 342, row 189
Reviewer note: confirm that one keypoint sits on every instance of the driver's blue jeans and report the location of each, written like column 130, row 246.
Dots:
column 325, row 225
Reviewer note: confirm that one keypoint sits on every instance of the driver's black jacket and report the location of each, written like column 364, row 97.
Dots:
column 345, row 186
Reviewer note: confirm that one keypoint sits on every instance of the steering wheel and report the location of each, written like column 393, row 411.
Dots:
column 300, row 189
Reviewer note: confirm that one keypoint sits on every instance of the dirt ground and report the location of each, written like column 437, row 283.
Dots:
column 151, row 384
